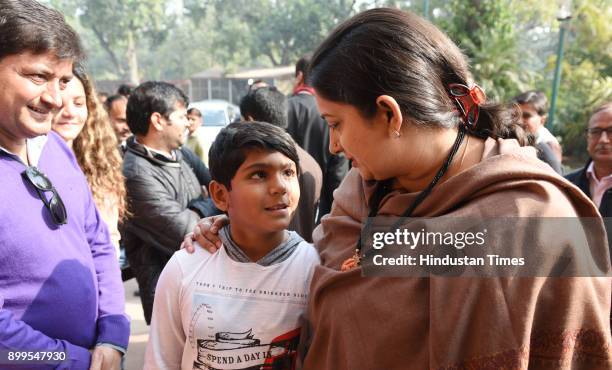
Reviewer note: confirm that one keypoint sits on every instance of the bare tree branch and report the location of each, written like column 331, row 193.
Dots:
column 109, row 50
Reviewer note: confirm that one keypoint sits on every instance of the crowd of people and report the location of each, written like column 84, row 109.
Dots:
column 385, row 119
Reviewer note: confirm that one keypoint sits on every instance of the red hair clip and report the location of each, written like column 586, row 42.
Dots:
column 468, row 100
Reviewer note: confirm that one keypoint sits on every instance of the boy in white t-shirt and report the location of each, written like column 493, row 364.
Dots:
column 239, row 308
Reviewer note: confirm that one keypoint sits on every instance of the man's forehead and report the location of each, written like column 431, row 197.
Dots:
column 60, row 66
column 601, row 118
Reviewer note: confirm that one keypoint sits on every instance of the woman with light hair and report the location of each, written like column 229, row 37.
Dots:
column 84, row 125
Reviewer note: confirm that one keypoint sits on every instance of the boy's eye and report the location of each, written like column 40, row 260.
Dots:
column 258, row 175
column 333, row 125
column 290, row 172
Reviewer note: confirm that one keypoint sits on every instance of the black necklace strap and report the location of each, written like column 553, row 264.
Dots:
column 384, row 187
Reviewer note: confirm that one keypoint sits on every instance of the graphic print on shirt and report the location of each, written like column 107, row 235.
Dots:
column 229, row 332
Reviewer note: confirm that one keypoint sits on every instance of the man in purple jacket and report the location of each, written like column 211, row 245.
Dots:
column 61, row 297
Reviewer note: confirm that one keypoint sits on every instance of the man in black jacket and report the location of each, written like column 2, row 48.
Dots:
column 162, row 188
column 310, row 131
column 595, row 179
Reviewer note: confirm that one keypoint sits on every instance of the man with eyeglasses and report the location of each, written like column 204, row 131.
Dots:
column 595, row 179
column 61, row 296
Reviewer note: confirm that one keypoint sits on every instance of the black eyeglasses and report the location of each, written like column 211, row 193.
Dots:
column 42, row 184
column 597, row 131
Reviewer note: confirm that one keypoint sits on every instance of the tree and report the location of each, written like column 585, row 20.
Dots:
column 119, row 26
column 280, row 30
column 486, row 30
column 586, row 71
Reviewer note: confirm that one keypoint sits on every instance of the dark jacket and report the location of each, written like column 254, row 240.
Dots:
column 199, row 168
column 159, row 191
column 310, row 131
column 310, row 180
column 580, row 179
column 546, row 154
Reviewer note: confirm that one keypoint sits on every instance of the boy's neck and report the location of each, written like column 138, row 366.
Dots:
column 256, row 245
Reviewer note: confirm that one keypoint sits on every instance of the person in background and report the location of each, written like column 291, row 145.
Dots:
column 194, row 143
column 595, row 178
column 84, row 125
column 310, row 131
column 534, row 110
column 267, row 104
column 60, row 285
column 102, row 96
column 162, row 189
column 125, row 90
column 116, row 106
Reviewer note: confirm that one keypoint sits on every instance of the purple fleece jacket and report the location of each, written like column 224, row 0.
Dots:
column 60, row 287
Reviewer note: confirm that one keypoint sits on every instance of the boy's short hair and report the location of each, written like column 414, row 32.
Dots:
column 266, row 104
column 234, row 142
column 303, row 65
column 194, row 111
column 28, row 26
column 151, row 97
column 535, row 98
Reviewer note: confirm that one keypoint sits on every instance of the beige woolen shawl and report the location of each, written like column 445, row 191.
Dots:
column 458, row 323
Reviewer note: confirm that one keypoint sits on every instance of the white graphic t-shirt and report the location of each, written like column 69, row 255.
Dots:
column 212, row 312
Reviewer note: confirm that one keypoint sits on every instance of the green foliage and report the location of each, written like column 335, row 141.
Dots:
column 586, row 79
column 119, row 26
column 486, row 30
column 280, row 30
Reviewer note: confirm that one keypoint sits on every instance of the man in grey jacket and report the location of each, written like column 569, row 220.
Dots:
column 162, row 188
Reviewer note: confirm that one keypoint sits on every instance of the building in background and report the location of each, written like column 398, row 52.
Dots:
column 218, row 84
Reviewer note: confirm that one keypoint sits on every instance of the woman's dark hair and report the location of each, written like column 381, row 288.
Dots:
column 234, row 142
column 391, row 52
column 28, row 26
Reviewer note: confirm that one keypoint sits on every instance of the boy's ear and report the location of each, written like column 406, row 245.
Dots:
column 219, row 195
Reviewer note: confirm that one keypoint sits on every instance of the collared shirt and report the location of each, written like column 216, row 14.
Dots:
column 34, row 148
column 155, row 151
column 598, row 186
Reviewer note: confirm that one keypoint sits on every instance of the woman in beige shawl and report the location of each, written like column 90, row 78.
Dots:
column 402, row 106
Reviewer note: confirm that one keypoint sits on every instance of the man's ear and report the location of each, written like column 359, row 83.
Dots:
column 156, row 121
column 543, row 119
column 219, row 195
column 299, row 78
column 390, row 109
